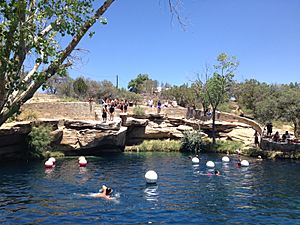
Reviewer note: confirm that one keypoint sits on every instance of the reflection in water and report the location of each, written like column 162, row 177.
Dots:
column 48, row 172
column 151, row 193
column 196, row 169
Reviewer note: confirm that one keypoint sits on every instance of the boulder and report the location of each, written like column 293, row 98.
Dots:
column 92, row 124
column 92, row 141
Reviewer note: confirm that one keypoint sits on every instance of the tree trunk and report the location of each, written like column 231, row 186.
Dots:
column 296, row 129
column 22, row 97
column 214, row 126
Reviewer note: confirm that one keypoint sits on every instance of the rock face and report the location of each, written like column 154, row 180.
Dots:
column 135, row 130
column 92, row 137
column 73, row 137
column 161, row 127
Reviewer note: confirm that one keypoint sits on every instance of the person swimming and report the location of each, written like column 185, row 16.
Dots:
column 104, row 192
column 217, row 173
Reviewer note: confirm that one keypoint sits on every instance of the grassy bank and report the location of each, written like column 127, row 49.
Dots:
column 177, row 145
column 155, row 145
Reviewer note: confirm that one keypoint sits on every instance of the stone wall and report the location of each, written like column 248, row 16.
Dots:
column 281, row 147
column 60, row 110
column 168, row 111
column 81, row 110
column 235, row 118
column 228, row 117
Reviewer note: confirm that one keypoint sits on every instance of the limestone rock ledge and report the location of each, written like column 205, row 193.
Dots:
column 73, row 137
column 93, row 137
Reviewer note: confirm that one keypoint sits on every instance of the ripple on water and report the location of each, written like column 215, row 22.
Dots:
column 184, row 194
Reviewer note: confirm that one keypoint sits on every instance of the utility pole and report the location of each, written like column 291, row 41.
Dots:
column 117, row 81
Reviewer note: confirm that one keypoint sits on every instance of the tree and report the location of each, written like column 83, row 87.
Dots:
column 54, row 84
column 136, row 85
column 288, row 105
column 80, row 87
column 34, row 28
column 217, row 86
column 107, row 90
column 250, row 92
column 200, row 92
column 267, row 110
column 183, row 94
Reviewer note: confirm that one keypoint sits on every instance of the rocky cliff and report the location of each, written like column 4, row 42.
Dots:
column 91, row 137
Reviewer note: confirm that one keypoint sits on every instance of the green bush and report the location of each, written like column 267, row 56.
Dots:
column 192, row 141
column 139, row 111
column 39, row 140
column 225, row 107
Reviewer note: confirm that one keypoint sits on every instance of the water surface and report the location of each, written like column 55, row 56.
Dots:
column 266, row 192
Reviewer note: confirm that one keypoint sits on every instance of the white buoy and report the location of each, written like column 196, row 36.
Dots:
column 80, row 158
column 210, row 164
column 244, row 163
column 195, row 160
column 151, row 177
column 225, row 159
column 49, row 164
column 82, row 162
column 52, row 159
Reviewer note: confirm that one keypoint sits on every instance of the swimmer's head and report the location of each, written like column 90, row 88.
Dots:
column 108, row 191
column 217, row 172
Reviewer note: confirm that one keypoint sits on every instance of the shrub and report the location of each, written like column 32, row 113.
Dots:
column 139, row 111
column 27, row 116
column 39, row 140
column 192, row 141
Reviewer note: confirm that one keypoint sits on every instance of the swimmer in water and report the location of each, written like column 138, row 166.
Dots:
column 217, row 173
column 239, row 163
column 105, row 192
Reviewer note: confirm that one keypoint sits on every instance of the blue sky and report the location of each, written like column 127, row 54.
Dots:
column 140, row 37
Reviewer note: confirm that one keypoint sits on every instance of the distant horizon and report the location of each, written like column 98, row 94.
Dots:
column 142, row 38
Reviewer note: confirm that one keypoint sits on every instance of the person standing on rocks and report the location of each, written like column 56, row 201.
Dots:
column 111, row 111
column 256, row 141
column 104, row 113
column 158, row 106
column 269, row 129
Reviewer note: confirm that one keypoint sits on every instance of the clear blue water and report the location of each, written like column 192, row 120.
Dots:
column 267, row 192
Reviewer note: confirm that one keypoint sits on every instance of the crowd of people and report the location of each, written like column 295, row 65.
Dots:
column 276, row 137
column 109, row 106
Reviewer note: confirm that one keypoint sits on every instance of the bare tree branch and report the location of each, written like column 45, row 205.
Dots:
column 174, row 8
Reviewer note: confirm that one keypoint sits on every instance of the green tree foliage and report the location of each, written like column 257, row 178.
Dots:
column 183, row 94
column 136, row 85
column 39, row 139
column 200, row 93
column 251, row 92
column 36, row 29
column 80, row 87
column 217, row 86
column 270, row 101
column 288, row 105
